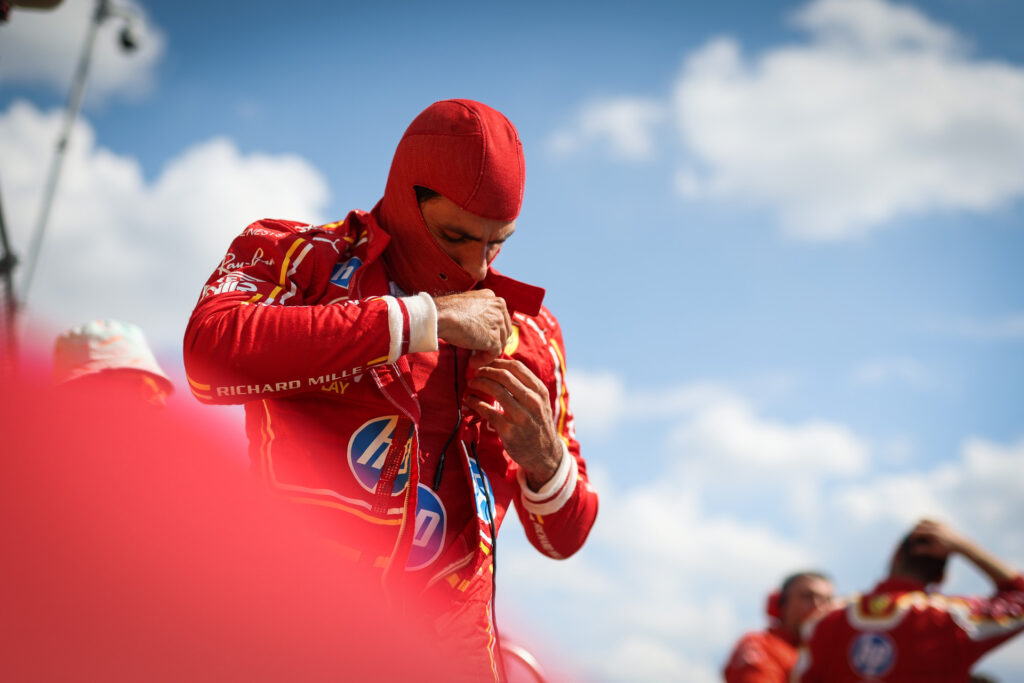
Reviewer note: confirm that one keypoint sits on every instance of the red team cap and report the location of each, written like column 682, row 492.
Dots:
column 471, row 154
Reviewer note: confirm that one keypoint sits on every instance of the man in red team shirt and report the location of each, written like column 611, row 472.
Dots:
column 397, row 386
column 902, row 632
column 768, row 656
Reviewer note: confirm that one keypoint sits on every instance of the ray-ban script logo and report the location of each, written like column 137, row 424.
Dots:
column 231, row 262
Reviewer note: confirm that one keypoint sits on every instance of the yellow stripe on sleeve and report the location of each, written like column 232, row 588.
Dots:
column 563, row 395
column 288, row 259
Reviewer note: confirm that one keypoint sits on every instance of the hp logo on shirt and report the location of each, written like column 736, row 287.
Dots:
column 872, row 654
column 342, row 273
column 368, row 450
column 430, row 526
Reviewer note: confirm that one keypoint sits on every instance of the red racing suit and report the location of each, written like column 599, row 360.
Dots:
column 762, row 657
column 351, row 414
column 902, row 634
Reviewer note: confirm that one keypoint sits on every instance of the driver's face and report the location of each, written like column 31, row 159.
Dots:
column 471, row 241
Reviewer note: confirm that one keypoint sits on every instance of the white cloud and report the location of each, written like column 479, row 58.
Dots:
column 686, row 571
column 44, row 47
column 625, row 125
column 683, row 576
column 601, row 402
column 880, row 113
column 989, row 486
column 669, row 528
column 715, row 436
column 597, row 400
column 119, row 246
column 875, row 26
column 706, row 623
column 642, row 659
column 730, row 436
column 576, row 575
column 898, row 449
column 981, row 492
column 901, row 499
column 691, row 536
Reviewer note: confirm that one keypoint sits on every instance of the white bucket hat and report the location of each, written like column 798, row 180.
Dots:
column 101, row 345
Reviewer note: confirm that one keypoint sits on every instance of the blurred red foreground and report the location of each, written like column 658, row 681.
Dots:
column 135, row 549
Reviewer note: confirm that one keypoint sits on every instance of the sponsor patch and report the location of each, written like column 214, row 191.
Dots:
column 513, row 341
column 231, row 262
column 342, row 273
column 430, row 527
column 368, row 449
column 259, row 232
column 253, row 389
column 482, row 492
column 355, row 374
column 872, row 654
column 234, row 282
column 331, row 241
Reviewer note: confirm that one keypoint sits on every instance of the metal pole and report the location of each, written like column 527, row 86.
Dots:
column 71, row 113
column 7, row 262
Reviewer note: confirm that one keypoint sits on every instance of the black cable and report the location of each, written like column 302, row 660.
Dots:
column 458, row 423
column 491, row 509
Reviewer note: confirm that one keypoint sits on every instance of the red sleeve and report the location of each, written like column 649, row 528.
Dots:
column 989, row 622
column 814, row 654
column 558, row 518
column 254, row 333
column 750, row 662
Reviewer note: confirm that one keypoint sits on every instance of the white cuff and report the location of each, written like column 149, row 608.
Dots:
column 422, row 322
column 415, row 316
column 395, row 325
column 556, row 492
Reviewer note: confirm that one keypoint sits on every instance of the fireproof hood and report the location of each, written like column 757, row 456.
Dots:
column 471, row 154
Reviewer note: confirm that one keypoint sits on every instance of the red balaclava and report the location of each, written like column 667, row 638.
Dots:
column 467, row 152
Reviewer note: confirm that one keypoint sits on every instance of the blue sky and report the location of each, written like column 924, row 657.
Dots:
column 783, row 239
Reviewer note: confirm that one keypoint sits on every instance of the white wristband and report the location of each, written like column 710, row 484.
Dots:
column 556, row 492
column 422, row 322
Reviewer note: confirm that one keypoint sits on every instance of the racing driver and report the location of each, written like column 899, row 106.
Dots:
column 397, row 386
